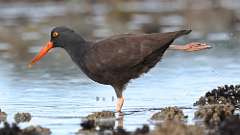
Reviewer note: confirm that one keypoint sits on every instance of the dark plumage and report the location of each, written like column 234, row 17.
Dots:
column 117, row 59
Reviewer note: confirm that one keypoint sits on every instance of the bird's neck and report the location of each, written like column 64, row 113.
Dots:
column 76, row 47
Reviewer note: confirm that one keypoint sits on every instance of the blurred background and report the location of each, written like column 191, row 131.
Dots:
column 26, row 24
column 57, row 95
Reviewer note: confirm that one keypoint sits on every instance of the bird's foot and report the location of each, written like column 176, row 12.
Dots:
column 195, row 46
column 119, row 105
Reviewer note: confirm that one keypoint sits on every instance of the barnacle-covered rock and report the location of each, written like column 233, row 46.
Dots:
column 22, row 117
column 36, row 130
column 230, row 126
column 213, row 115
column 176, row 128
column 101, row 115
column 221, row 95
column 13, row 129
column 169, row 113
column 103, row 120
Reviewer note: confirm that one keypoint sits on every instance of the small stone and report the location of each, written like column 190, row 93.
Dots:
column 36, row 130
column 13, row 129
column 101, row 115
column 169, row 113
column 121, row 131
column 141, row 131
column 8, row 129
column 105, row 120
column 3, row 116
column 88, row 125
column 22, row 117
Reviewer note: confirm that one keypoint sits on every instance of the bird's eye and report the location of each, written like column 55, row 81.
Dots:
column 55, row 34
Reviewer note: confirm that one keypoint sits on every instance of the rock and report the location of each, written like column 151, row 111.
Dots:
column 101, row 115
column 88, row 125
column 36, row 130
column 121, row 131
column 230, row 126
column 213, row 115
column 22, row 117
column 13, row 129
column 104, row 120
column 169, row 113
column 176, row 128
column 3, row 116
column 142, row 131
column 8, row 129
column 221, row 95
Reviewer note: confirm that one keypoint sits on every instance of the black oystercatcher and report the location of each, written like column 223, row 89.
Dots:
column 117, row 59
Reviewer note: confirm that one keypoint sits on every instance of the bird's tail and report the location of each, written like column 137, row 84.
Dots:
column 182, row 32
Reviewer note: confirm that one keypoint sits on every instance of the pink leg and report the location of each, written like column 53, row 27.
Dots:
column 119, row 105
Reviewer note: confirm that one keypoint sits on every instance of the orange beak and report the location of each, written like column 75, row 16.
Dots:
column 42, row 53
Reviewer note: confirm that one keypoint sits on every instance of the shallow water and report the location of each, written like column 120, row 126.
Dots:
column 58, row 95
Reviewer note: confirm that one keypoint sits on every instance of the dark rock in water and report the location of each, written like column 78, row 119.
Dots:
column 213, row 115
column 15, row 130
column 221, row 95
column 230, row 126
column 3, row 116
column 36, row 130
column 169, row 113
column 141, row 131
column 88, row 125
column 176, row 128
column 121, row 131
column 22, row 117
column 10, row 129
column 101, row 115
column 105, row 120
column 106, row 124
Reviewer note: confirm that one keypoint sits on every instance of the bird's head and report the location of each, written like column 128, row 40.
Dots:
column 60, row 37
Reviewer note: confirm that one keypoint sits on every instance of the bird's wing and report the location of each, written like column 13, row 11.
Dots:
column 122, row 52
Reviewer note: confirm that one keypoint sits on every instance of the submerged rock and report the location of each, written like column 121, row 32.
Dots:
column 221, row 95
column 121, row 131
column 142, row 131
column 176, row 128
column 3, row 116
column 89, row 128
column 230, row 126
column 22, row 117
column 36, row 130
column 88, row 125
column 213, row 115
column 169, row 113
column 101, row 115
column 13, row 129
column 105, row 120
column 8, row 129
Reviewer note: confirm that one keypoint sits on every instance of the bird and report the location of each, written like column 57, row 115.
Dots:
column 117, row 59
